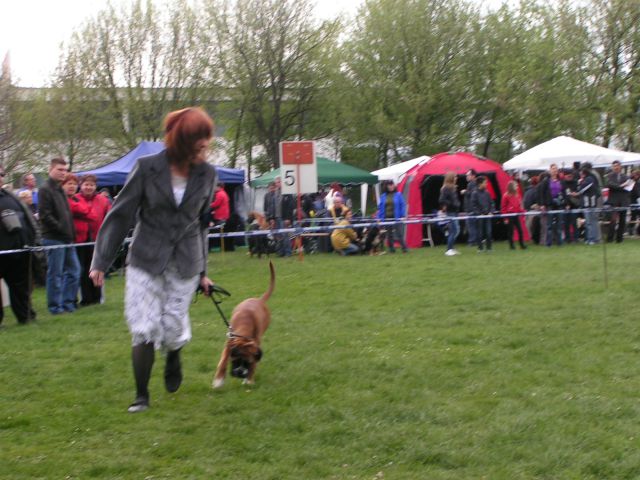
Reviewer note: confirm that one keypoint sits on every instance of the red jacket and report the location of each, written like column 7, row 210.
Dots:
column 220, row 206
column 82, row 216
column 99, row 206
column 511, row 204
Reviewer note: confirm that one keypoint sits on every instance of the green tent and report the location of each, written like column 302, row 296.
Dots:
column 328, row 172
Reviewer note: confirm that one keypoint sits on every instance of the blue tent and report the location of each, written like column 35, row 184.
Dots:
column 115, row 173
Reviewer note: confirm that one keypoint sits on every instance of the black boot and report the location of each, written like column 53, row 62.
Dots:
column 173, row 371
column 142, row 357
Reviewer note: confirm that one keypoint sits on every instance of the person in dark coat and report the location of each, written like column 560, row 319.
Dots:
column 634, row 198
column 18, row 228
column 450, row 206
column 63, row 266
column 482, row 204
column 617, row 183
column 279, row 208
column 472, row 229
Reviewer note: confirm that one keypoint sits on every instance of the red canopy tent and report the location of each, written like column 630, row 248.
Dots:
column 421, row 185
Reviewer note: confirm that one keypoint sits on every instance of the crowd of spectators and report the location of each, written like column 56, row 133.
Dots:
column 603, row 202
column 65, row 210
column 573, row 205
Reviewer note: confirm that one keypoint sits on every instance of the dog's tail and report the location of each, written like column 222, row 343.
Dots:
column 272, row 283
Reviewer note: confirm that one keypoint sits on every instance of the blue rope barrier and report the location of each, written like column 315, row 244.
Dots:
column 355, row 223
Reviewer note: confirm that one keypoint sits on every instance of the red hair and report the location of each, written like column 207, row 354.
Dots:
column 182, row 129
column 70, row 177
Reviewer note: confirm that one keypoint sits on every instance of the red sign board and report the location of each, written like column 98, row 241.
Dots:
column 297, row 153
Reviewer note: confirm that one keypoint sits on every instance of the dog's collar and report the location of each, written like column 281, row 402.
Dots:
column 232, row 334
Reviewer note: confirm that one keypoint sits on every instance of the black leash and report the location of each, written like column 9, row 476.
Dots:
column 217, row 294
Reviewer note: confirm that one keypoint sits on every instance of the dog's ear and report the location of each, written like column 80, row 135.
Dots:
column 258, row 355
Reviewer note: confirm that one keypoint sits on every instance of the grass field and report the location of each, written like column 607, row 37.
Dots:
column 513, row 365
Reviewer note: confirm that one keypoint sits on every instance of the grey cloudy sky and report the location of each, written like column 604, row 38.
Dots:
column 32, row 30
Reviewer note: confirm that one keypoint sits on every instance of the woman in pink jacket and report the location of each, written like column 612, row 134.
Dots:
column 512, row 203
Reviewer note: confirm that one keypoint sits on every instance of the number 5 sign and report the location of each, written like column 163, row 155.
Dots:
column 298, row 170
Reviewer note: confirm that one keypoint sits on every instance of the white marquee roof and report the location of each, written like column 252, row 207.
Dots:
column 563, row 151
column 396, row 171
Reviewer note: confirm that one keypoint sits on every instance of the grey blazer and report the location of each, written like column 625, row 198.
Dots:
column 162, row 229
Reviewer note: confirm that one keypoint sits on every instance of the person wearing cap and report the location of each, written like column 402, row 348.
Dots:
column 393, row 207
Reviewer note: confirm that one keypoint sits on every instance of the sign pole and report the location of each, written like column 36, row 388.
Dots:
column 300, row 175
column 299, row 210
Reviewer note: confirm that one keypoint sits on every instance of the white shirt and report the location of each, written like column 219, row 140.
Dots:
column 179, row 185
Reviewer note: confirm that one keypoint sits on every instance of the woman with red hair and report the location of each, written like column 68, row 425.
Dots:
column 99, row 206
column 82, row 216
column 80, row 212
column 167, row 197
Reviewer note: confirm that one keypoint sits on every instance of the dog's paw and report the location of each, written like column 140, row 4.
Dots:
column 217, row 382
column 246, row 381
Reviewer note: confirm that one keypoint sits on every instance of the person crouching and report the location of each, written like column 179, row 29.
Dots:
column 343, row 239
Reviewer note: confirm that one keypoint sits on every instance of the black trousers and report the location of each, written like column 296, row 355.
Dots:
column 617, row 224
column 90, row 293
column 15, row 271
column 484, row 232
column 514, row 222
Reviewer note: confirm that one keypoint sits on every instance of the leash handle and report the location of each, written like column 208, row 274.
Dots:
column 212, row 292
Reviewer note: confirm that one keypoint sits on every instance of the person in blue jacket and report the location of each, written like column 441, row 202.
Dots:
column 392, row 206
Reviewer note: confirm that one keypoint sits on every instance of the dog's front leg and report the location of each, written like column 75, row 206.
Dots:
column 221, row 371
column 250, row 375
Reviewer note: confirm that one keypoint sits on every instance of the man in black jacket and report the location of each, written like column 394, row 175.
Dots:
column 482, row 205
column 18, row 228
column 63, row 267
column 279, row 207
column 618, row 198
column 472, row 186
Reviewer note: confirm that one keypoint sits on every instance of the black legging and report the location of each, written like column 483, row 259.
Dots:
column 90, row 293
column 515, row 222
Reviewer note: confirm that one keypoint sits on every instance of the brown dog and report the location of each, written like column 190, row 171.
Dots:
column 249, row 320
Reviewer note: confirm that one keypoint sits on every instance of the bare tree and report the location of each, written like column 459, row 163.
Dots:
column 275, row 58
column 124, row 69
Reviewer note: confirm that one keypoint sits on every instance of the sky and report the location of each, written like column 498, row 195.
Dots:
column 32, row 30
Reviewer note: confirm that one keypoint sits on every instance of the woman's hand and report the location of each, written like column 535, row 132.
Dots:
column 97, row 277
column 206, row 285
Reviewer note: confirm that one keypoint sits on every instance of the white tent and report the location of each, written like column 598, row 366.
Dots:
column 396, row 172
column 563, row 151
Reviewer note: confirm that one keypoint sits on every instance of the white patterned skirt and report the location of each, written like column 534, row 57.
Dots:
column 157, row 307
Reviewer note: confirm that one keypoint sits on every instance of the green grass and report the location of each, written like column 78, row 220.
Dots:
column 510, row 365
